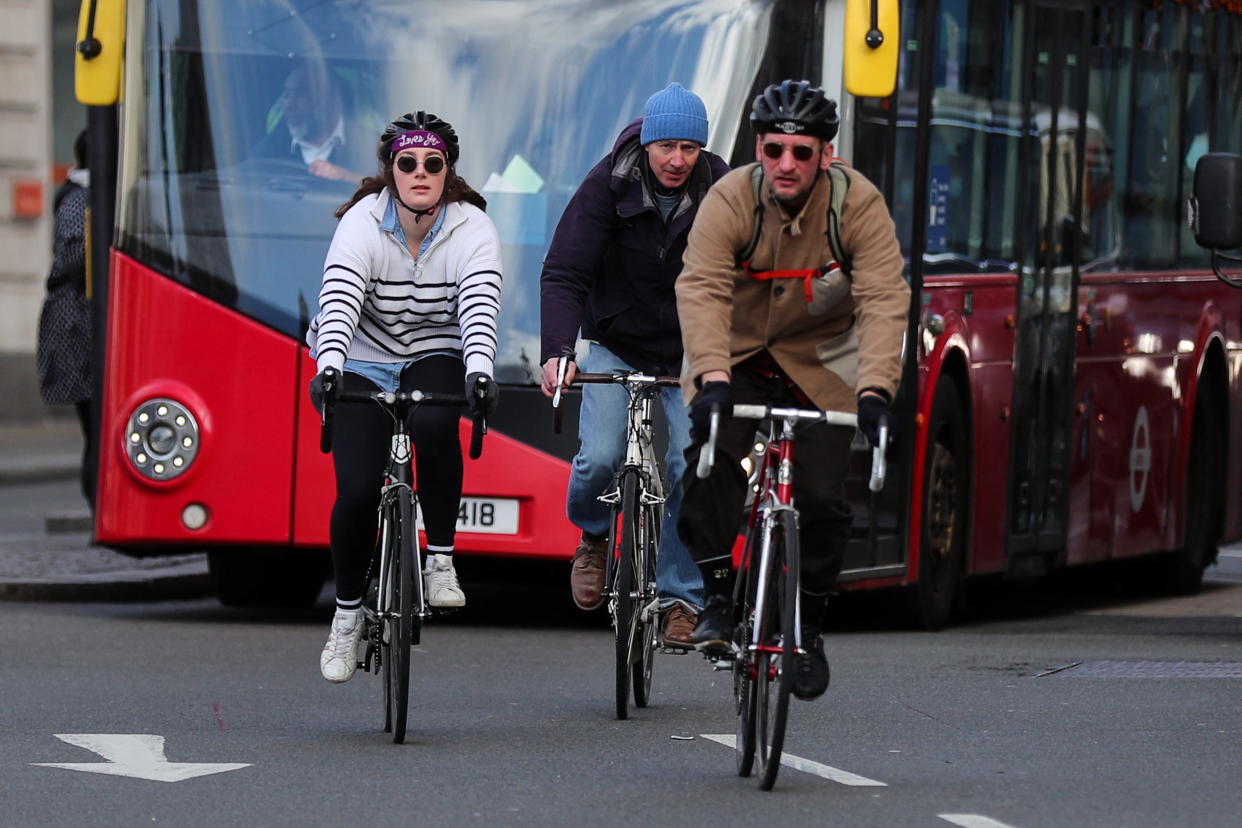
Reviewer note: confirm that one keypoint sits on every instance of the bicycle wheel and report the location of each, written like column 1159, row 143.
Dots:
column 383, row 604
column 625, row 590
column 776, row 666
column 744, row 668
column 403, row 574
column 648, row 605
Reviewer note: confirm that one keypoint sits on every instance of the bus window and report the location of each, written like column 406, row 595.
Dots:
column 222, row 200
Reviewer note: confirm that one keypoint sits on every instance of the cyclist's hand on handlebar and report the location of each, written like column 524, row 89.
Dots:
column 872, row 411
column 320, row 385
column 550, row 370
column 482, row 392
column 713, row 394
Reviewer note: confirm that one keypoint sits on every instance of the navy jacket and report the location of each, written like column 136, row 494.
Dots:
column 613, row 261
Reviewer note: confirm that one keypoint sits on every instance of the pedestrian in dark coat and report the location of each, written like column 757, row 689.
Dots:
column 63, row 352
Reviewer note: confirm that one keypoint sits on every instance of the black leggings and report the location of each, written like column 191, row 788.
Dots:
column 361, row 440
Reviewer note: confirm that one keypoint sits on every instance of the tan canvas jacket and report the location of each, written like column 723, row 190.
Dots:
column 846, row 339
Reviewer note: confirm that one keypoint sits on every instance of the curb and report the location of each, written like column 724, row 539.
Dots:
column 174, row 583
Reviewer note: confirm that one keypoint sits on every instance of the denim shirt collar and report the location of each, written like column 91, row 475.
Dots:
column 392, row 225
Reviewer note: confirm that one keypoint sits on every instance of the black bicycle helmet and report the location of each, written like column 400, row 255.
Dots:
column 418, row 120
column 795, row 108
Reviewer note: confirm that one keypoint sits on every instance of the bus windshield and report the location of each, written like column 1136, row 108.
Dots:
column 236, row 102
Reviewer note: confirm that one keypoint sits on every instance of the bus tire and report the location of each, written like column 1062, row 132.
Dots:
column 1182, row 573
column 942, row 542
column 248, row 577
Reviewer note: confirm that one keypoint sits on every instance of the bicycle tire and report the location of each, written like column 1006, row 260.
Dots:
column 645, row 639
column 403, row 570
column 625, row 591
column 776, row 669
column 744, row 669
column 383, row 600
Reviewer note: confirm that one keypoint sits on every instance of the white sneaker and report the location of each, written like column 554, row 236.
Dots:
column 339, row 658
column 440, row 583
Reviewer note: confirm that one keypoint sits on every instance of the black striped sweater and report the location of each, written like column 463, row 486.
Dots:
column 379, row 304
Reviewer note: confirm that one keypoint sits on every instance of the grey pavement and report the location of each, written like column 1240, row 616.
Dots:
column 46, row 549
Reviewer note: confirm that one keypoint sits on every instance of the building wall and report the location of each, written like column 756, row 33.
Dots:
column 27, row 153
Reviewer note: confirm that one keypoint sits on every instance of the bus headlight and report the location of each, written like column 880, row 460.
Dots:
column 161, row 439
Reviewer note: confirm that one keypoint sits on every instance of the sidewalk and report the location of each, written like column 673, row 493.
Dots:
column 46, row 552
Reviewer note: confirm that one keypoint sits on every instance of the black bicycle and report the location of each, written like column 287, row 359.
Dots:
column 767, row 608
column 395, row 607
column 637, row 500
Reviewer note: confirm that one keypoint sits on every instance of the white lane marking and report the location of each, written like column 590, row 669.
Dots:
column 806, row 765
column 974, row 821
column 139, row 755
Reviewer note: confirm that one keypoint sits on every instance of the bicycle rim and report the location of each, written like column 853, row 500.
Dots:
column 744, row 668
column 403, row 571
column 776, row 669
column 383, row 601
column 624, row 592
column 645, row 640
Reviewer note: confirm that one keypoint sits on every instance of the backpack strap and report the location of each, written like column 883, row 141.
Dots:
column 840, row 187
column 756, row 184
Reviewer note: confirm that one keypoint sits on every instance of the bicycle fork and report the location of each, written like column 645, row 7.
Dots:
column 757, row 644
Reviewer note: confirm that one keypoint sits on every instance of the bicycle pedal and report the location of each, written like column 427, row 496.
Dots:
column 667, row 650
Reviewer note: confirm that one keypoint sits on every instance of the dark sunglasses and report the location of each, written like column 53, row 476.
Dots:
column 801, row 152
column 434, row 165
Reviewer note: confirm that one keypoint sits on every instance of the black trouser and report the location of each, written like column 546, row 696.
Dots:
column 712, row 509
column 361, row 441
column 90, row 459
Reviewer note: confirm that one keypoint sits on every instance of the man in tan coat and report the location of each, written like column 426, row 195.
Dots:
column 788, row 326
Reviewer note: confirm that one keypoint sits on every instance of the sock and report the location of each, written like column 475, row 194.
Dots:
column 717, row 577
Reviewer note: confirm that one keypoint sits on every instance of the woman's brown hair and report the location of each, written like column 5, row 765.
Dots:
column 455, row 187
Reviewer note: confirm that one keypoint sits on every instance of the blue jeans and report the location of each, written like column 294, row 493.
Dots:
column 601, row 428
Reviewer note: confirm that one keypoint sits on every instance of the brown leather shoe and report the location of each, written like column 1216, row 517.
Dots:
column 679, row 624
column 586, row 576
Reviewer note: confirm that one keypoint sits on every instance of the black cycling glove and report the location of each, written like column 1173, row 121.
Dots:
column 718, row 394
column 320, row 384
column 872, row 411
column 482, row 392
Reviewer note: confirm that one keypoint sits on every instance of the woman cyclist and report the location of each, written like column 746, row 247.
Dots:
column 411, row 289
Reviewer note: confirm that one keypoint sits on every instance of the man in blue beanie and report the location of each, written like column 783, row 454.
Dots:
column 610, row 271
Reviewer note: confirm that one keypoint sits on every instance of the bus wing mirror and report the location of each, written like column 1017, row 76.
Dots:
column 872, row 33
column 1216, row 208
column 101, row 43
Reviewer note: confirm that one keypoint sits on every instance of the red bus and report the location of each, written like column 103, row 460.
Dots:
column 1071, row 388
column 210, row 241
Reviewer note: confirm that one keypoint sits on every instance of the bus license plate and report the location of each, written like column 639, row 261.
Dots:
column 484, row 515
column 488, row 515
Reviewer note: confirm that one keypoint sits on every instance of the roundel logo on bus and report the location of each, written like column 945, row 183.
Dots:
column 1140, row 459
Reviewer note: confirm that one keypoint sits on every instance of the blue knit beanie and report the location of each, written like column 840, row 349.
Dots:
column 674, row 113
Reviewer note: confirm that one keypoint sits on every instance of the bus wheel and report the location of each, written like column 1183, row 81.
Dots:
column 247, row 577
column 1182, row 573
column 945, row 476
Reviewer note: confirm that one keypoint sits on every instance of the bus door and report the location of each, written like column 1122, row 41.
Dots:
column 1044, row 355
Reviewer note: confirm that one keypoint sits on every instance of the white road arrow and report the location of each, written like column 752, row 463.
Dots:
column 139, row 755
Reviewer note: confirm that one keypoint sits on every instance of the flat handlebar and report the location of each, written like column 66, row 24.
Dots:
column 631, row 378
column 393, row 401
column 744, row 411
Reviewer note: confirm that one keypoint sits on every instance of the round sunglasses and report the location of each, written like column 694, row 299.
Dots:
column 434, row 165
column 801, row 152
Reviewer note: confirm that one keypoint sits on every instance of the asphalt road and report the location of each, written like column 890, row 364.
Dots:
column 1079, row 703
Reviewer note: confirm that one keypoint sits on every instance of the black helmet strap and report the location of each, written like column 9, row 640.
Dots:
column 418, row 214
